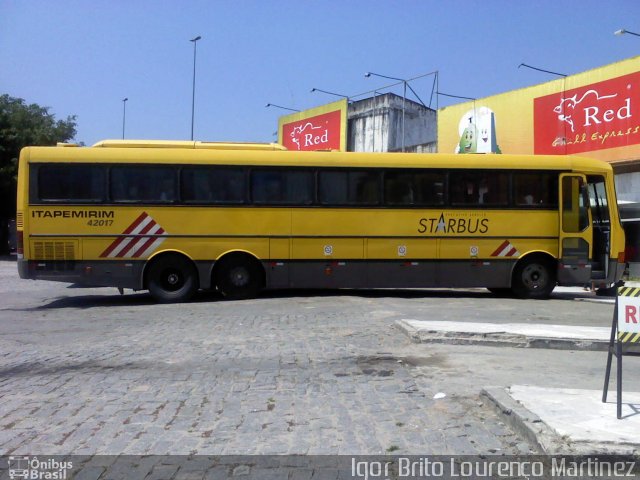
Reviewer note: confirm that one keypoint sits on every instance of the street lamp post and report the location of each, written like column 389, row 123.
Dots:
column 622, row 31
column 404, row 96
column 283, row 108
column 373, row 129
column 455, row 96
column 124, row 114
column 405, row 85
column 329, row 93
column 193, row 95
column 542, row 70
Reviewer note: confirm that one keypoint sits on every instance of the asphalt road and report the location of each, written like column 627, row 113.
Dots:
column 87, row 371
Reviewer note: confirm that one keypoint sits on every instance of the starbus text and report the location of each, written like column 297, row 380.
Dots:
column 453, row 225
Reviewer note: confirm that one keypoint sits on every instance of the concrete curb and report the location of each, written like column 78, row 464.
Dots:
column 524, row 422
column 542, row 436
column 464, row 335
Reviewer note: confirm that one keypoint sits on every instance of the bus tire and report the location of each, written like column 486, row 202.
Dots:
column 238, row 277
column 534, row 277
column 172, row 279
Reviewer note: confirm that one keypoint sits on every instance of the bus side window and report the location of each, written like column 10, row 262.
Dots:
column 367, row 191
column 481, row 188
column 493, row 189
column 398, row 189
column 234, row 192
column 143, row 184
column 464, row 188
column 535, row 189
column 484, row 194
column 167, row 190
column 213, row 185
column 348, row 187
column 70, row 183
column 282, row 187
column 272, row 190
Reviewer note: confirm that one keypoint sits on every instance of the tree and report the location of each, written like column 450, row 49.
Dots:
column 23, row 125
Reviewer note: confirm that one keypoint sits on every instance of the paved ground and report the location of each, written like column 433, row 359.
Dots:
column 91, row 372
column 555, row 420
column 88, row 371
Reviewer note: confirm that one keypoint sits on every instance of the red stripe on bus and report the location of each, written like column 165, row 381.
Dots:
column 502, row 246
column 147, row 244
column 134, row 241
column 129, row 229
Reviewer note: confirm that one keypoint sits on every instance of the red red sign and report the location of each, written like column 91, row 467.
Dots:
column 321, row 132
column 594, row 117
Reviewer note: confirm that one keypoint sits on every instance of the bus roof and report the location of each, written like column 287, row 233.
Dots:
column 187, row 144
column 273, row 154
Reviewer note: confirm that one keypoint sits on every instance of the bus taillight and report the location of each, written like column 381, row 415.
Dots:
column 20, row 243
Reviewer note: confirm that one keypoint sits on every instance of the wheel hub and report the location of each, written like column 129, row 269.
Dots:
column 534, row 277
column 239, row 277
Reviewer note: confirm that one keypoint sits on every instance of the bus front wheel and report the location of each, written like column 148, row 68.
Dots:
column 238, row 277
column 533, row 277
column 172, row 279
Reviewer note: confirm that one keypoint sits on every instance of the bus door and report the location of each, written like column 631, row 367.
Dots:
column 601, row 226
column 576, row 231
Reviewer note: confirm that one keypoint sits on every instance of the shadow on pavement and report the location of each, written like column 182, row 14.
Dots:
column 143, row 298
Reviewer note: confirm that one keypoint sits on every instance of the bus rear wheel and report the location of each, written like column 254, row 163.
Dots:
column 172, row 279
column 533, row 278
column 238, row 277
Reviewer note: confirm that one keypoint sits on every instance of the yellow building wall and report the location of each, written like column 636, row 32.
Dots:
column 610, row 95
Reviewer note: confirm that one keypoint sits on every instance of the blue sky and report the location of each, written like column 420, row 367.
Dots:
column 83, row 57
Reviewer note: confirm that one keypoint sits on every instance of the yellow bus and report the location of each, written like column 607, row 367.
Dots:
column 176, row 217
